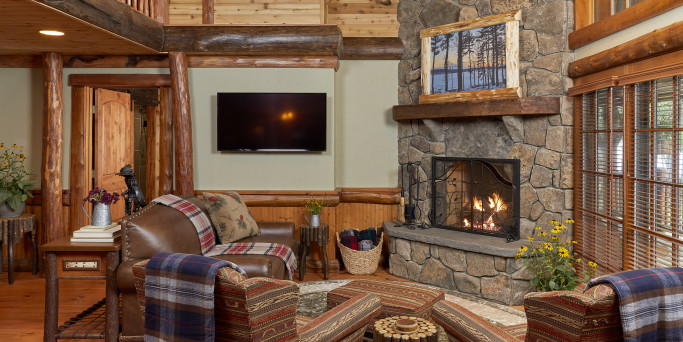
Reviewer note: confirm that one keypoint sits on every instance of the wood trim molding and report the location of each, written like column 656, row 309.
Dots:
column 296, row 198
column 660, row 41
column 120, row 80
column 630, row 78
column 469, row 109
column 617, row 22
column 595, row 85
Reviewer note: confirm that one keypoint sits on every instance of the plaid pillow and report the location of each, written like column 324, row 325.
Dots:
column 230, row 216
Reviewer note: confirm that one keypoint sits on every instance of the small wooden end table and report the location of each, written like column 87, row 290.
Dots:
column 11, row 230
column 82, row 260
column 404, row 328
column 319, row 235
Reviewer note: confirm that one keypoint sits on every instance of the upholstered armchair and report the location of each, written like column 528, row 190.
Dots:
column 264, row 309
column 551, row 316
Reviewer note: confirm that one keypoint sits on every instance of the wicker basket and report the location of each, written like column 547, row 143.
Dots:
column 360, row 262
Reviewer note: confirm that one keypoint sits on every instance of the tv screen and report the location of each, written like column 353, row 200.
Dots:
column 272, row 121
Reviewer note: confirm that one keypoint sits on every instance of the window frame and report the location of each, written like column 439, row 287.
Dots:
column 587, row 30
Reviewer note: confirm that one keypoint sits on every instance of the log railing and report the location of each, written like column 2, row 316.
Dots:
column 155, row 9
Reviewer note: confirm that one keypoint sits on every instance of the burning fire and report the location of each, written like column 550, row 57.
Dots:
column 495, row 203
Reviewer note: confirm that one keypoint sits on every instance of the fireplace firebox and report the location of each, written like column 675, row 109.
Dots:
column 476, row 195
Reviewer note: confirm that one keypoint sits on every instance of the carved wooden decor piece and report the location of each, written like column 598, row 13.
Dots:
column 470, row 60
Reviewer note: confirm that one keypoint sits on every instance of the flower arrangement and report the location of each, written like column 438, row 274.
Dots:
column 550, row 257
column 13, row 185
column 99, row 195
column 314, row 206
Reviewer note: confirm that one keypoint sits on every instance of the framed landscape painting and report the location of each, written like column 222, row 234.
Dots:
column 476, row 59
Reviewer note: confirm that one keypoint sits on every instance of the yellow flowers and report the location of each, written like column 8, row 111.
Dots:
column 21, row 156
column 592, row 264
column 549, row 257
column 4, row 163
column 14, row 188
column 314, row 206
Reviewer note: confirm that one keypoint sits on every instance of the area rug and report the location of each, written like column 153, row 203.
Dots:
column 313, row 300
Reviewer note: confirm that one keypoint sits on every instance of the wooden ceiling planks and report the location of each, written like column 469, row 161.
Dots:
column 20, row 21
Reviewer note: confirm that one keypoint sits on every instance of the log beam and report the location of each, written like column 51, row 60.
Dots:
column 468, row 109
column 182, row 124
column 120, row 80
column 115, row 17
column 290, row 40
column 380, row 48
column 52, row 221
column 207, row 11
column 657, row 42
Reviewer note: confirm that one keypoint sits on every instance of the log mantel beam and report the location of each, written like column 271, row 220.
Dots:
column 470, row 109
column 52, row 222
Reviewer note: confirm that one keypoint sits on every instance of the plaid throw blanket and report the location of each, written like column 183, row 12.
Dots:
column 260, row 248
column 179, row 296
column 651, row 303
column 207, row 238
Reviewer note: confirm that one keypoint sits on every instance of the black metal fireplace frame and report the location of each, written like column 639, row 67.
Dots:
column 510, row 234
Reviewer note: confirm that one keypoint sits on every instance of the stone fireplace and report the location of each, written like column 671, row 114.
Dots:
column 480, row 264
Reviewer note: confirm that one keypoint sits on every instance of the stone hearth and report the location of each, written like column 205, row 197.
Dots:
column 478, row 265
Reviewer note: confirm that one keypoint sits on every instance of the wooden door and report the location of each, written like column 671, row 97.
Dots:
column 112, row 143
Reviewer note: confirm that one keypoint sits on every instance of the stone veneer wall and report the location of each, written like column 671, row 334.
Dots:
column 478, row 265
column 543, row 144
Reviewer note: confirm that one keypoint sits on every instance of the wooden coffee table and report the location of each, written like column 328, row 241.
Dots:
column 404, row 328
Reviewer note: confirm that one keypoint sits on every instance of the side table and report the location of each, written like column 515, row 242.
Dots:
column 11, row 230
column 319, row 235
column 82, row 260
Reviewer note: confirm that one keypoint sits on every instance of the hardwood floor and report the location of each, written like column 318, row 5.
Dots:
column 22, row 304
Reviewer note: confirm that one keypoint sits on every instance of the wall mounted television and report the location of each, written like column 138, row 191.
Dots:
column 267, row 122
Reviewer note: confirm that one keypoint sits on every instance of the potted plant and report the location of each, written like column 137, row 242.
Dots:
column 314, row 207
column 14, row 187
column 549, row 256
column 101, row 201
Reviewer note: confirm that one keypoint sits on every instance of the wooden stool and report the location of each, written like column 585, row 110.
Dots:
column 11, row 230
column 404, row 328
column 319, row 235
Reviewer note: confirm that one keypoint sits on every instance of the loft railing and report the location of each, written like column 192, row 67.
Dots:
column 155, row 9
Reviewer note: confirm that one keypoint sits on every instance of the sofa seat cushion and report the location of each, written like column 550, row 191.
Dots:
column 230, row 216
column 397, row 298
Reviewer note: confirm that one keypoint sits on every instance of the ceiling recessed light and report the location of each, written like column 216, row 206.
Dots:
column 52, row 33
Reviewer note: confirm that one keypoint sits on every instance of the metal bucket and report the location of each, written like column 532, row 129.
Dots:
column 101, row 214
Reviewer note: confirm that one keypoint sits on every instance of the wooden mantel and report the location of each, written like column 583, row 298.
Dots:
column 472, row 109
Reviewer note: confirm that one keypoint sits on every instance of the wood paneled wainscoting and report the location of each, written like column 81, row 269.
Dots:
column 358, row 208
column 22, row 250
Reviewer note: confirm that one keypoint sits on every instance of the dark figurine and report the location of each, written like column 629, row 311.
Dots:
column 133, row 195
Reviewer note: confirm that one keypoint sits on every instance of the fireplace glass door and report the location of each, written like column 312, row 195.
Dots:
column 476, row 195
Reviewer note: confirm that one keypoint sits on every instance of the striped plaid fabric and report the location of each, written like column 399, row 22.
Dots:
column 207, row 238
column 650, row 302
column 463, row 325
column 179, row 292
column 259, row 248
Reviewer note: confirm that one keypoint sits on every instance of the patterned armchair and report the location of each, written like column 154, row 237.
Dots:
column 264, row 309
column 551, row 316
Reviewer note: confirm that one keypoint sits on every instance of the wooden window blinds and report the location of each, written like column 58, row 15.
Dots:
column 630, row 175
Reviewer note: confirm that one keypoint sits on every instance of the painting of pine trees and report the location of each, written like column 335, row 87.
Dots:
column 468, row 60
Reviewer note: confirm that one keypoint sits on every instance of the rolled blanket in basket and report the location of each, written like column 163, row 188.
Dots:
column 365, row 245
column 350, row 242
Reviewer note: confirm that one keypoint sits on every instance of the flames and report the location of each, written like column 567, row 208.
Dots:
column 495, row 203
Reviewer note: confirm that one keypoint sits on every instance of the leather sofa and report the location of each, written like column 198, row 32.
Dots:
column 158, row 228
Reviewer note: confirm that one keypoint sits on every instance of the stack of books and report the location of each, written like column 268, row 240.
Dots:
column 108, row 233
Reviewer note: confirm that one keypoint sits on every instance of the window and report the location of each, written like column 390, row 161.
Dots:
column 605, row 8
column 630, row 197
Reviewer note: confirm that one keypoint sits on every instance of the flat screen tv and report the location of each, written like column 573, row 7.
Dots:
column 272, row 121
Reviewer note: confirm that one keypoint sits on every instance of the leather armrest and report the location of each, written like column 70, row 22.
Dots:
column 465, row 325
column 125, row 281
column 277, row 230
column 350, row 316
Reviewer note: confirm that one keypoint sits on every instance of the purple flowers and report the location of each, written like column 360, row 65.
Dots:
column 99, row 195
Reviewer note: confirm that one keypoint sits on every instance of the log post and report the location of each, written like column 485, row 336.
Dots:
column 165, row 142
column 52, row 221
column 182, row 124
